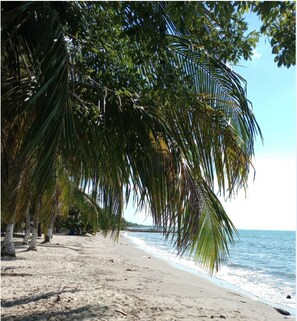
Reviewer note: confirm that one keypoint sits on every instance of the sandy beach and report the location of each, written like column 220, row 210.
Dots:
column 95, row 279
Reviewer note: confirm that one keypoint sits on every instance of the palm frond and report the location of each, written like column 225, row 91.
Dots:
column 48, row 101
column 164, row 119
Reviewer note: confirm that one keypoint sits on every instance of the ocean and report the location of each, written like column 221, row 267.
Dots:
column 262, row 264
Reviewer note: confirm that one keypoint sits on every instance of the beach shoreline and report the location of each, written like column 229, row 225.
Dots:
column 214, row 279
column 93, row 278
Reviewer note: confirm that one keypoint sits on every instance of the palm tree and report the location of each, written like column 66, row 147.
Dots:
column 163, row 118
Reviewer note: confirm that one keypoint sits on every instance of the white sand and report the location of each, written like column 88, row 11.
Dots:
column 93, row 278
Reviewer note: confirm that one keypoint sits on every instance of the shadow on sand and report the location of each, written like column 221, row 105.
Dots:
column 34, row 298
column 80, row 313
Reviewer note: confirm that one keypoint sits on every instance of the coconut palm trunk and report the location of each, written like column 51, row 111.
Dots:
column 11, row 206
column 7, row 248
column 27, row 227
column 55, row 212
column 33, row 242
column 49, row 233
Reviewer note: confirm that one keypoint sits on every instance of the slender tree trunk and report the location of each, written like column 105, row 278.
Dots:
column 55, row 213
column 39, row 231
column 7, row 248
column 27, row 228
column 11, row 181
column 49, row 234
column 33, row 243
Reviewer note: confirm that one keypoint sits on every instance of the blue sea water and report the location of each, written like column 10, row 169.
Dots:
column 261, row 263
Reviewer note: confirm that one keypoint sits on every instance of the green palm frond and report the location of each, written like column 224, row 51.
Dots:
column 163, row 119
column 214, row 79
column 194, row 134
column 212, row 94
column 206, row 229
column 45, row 60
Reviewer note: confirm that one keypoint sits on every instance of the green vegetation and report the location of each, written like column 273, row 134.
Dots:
column 104, row 99
column 126, row 224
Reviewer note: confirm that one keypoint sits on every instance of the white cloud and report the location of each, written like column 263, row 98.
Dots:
column 256, row 54
column 271, row 199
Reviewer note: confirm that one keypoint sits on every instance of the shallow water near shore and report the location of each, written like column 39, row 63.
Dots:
column 261, row 263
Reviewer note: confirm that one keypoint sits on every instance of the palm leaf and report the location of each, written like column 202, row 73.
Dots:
column 48, row 101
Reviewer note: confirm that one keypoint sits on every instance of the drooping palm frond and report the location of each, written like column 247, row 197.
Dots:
column 57, row 195
column 206, row 230
column 44, row 60
column 205, row 122
column 163, row 118
column 216, row 84
column 156, row 178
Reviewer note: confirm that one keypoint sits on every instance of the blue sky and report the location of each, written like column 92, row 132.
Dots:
column 271, row 198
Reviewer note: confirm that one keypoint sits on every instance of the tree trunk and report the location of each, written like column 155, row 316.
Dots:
column 7, row 248
column 33, row 243
column 39, row 231
column 49, row 234
column 55, row 213
column 27, row 228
